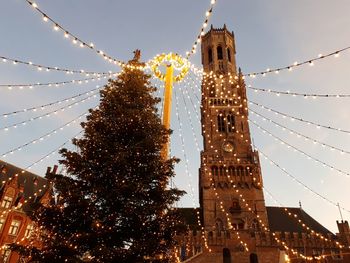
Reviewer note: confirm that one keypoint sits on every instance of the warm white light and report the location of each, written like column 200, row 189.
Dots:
column 45, row 18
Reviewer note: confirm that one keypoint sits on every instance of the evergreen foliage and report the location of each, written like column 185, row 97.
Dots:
column 113, row 204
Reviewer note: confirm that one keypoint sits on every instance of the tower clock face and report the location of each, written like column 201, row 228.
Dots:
column 228, row 147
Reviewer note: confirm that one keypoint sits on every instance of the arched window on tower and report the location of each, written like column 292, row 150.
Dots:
column 253, row 258
column 210, row 55
column 214, row 171
column 222, row 171
column 221, row 123
column 229, row 54
column 235, row 207
column 219, row 226
column 231, row 171
column 226, row 255
column 230, row 123
column 238, row 224
column 212, row 90
column 220, row 53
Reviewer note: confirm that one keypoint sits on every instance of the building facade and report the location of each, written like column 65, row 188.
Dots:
column 20, row 194
column 237, row 226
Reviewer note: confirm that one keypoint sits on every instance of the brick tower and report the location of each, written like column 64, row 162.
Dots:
column 228, row 160
column 230, row 183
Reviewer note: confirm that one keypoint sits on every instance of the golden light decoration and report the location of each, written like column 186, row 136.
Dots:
column 172, row 59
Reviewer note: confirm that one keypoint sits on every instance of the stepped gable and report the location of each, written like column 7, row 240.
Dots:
column 29, row 181
column 280, row 221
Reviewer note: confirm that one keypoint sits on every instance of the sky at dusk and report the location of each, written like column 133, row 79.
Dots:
column 268, row 34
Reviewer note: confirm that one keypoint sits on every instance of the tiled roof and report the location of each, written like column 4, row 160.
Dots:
column 31, row 182
column 279, row 220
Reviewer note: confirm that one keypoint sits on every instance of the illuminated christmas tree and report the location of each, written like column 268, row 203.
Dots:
column 113, row 204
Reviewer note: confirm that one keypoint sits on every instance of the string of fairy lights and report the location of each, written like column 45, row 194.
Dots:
column 185, row 94
column 43, row 137
column 189, row 174
column 49, row 114
column 294, row 118
column 298, row 134
column 229, row 223
column 44, row 106
column 42, row 68
column 53, row 84
column 313, row 232
column 250, row 209
column 75, row 39
column 327, row 200
column 202, row 30
column 298, row 94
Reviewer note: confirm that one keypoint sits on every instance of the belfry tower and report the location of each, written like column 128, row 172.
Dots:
column 229, row 166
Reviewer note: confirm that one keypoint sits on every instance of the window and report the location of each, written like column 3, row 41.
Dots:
column 29, row 230
column 210, row 55
column 2, row 222
column 214, row 171
column 336, row 255
column 231, row 171
column 6, row 202
column 221, row 123
column 235, row 208
column 226, row 255
column 222, row 171
column 253, row 258
column 230, row 123
column 212, row 90
column 220, row 54
column 6, row 255
column 14, row 227
column 229, row 54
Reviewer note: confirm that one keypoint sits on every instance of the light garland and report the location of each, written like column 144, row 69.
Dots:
column 266, row 157
column 293, row 118
column 298, row 134
column 75, row 39
column 53, row 84
column 189, row 174
column 48, row 114
column 300, row 222
column 274, row 235
column 202, row 30
column 309, row 62
column 294, row 94
column 37, row 192
column 45, row 136
column 48, row 155
column 212, row 183
column 288, row 145
column 40, row 68
column 43, row 107
column 81, row 43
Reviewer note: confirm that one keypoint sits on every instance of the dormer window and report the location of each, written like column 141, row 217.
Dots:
column 6, row 201
column 2, row 222
column 29, row 231
column 13, row 230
